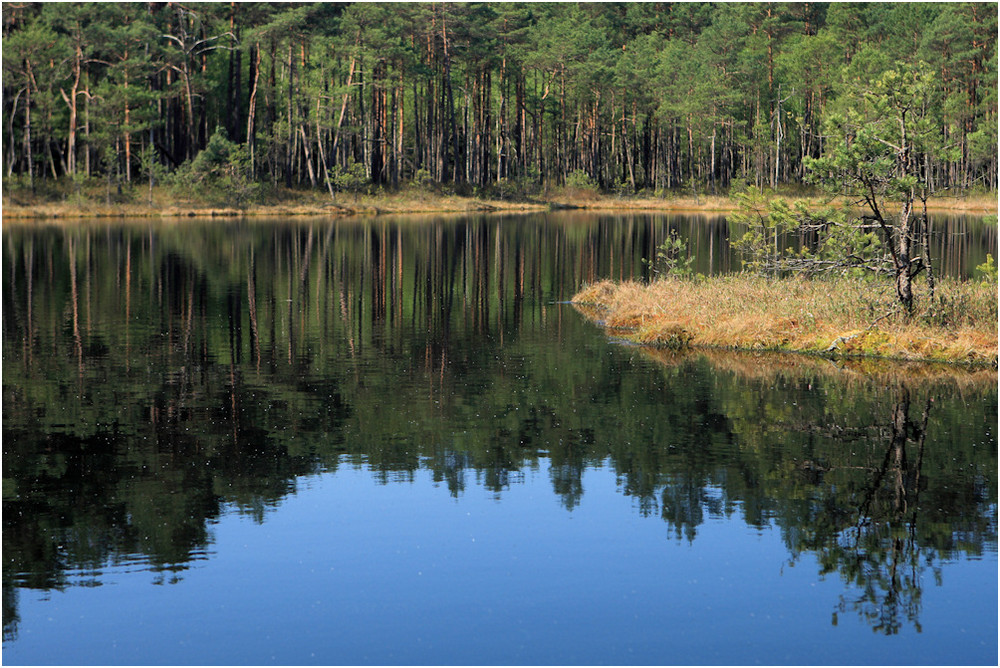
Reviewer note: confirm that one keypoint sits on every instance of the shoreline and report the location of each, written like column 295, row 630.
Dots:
column 310, row 204
column 822, row 318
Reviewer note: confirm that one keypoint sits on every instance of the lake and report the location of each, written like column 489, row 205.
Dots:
column 391, row 441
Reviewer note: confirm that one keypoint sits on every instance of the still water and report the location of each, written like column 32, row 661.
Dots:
column 388, row 442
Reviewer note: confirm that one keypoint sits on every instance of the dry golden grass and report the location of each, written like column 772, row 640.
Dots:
column 966, row 204
column 418, row 201
column 841, row 317
column 292, row 206
column 672, row 204
column 92, row 203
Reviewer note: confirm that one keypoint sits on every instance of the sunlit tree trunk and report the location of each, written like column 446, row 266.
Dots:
column 27, row 130
column 71, row 101
column 252, row 107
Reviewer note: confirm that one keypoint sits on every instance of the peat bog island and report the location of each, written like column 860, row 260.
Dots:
column 499, row 333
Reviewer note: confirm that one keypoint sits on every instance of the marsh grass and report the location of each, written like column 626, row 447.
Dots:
column 66, row 198
column 63, row 200
column 832, row 316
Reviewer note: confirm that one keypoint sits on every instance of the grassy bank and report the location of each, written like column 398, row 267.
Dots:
column 63, row 200
column 837, row 317
column 971, row 204
column 165, row 202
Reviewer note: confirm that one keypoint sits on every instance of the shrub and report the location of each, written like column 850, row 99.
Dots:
column 352, row 179
column 220, row 173
column 672, row 258
column 579, row 179
column 987, row 271
column 579, row 186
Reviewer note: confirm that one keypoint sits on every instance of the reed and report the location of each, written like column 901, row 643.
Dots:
column 832, row 316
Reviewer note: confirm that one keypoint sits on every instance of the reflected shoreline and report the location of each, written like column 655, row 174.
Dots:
column 767, row 366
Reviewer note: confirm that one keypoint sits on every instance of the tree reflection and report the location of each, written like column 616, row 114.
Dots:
column 880, row 554
column 157, row 377
column 870, row 486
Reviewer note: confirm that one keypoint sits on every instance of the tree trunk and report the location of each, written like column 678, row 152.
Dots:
column 27, row 132
column 520, row 127
column 86, row 128
column 343, row 108
column 305, row 148
column 189, row 99
column 233, row 82
column 712, row 172
column 71, row 101
column 252, row 107
column 289, row 146
column 128, row 138
column 456, row 168
column 322, row 155
column 11, row 150
column 628, row 150
column 904, row 276
column 400, row 97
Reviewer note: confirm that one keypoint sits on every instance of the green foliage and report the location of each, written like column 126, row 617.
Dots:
column 768, row 219
column 840, row 242
column 885, row 123
column 520, row 188
column 987, row 271
column 351, row 178
column 683, row 97
column 875, row 154
column 672, row 258
column 219, row 173
column 857, row 249
column 422, row 178
column 580, row 180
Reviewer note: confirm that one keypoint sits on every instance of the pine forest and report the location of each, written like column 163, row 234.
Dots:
column 480, row 97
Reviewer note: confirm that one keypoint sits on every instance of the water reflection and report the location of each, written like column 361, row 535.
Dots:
column 880, row 553
column 157, row 376
column 862, row 492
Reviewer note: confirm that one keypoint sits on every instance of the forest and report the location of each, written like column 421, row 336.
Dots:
column 484, row 98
